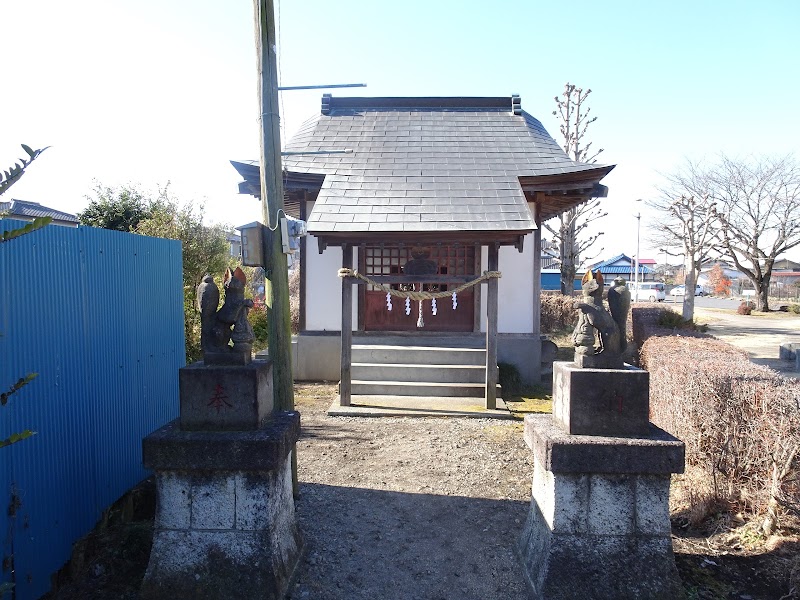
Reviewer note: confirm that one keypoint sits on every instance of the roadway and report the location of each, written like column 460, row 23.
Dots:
column 759, row 334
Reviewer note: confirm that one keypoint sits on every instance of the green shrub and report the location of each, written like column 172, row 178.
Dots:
column 258, row 321
column 294, row 299
column 669, row 319
column 794, row 308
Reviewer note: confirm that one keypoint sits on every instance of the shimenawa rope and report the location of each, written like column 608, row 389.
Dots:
column 419, row 295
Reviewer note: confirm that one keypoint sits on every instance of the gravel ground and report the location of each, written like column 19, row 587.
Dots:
column 409, row 508
column 426, row 508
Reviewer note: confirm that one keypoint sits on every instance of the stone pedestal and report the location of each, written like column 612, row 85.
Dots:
column 225, row 398
column 225, row 524
column 601, row 401
column 598, row 526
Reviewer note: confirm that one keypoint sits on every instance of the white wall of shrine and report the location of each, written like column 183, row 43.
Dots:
column 514, row 289
column 324, row 288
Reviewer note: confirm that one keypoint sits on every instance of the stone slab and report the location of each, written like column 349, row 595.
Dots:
column 418, row 406
column 225, row 398
column 316, row 354
column 610, row 402
column 598, row 361
column 228, row 358
column 559, row 452
column 788, row 351
column 174, row 449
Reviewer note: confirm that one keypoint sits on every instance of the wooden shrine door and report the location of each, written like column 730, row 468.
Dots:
column 390, row 260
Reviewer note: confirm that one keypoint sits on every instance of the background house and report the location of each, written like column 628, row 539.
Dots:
column 624, row 266
column 24, row 210
column 235, row 244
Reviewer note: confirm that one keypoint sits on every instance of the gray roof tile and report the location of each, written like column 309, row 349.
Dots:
column 447, row 164
column 31, row 210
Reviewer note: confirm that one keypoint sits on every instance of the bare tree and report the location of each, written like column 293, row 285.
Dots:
column 569, row 227
column 689, row 221
column 758, row 204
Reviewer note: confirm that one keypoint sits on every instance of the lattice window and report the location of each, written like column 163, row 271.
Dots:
column 389, row 260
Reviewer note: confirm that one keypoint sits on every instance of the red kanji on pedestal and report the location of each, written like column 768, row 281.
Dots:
column 220, row 399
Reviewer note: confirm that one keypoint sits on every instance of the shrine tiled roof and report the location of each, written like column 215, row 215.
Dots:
column 425, row 164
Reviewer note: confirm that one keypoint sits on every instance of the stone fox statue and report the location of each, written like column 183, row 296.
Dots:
column 594, row 317
column 619, row 302
column 207, row 303
column 216, row 332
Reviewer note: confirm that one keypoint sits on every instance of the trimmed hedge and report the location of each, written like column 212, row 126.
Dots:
column 740, row 421
column 557, row 313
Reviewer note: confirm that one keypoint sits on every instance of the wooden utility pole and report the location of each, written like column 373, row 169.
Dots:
column 491, row 330
column 345, row 385
column 275, row 270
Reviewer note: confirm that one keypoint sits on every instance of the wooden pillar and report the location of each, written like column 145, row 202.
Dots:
column 476, row 305
column 491, row 330
column 303, row 260
column 537, row 265
column 361, row 290
column 347, row 327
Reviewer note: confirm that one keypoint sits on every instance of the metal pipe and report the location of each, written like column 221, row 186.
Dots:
column 313, row 152
column 636, row 268
column 285, row 88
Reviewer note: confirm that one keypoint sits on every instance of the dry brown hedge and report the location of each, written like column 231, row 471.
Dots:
column 740, row 421
column 558, row 313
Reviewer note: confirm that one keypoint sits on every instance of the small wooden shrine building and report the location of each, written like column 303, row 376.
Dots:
column 463, row 184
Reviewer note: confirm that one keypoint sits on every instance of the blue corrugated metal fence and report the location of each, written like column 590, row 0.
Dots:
column 99, row 316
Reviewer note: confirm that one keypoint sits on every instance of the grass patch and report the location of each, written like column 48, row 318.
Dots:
column 672, row 320
column 499, row 433
column 306, row 394
column 532, row 400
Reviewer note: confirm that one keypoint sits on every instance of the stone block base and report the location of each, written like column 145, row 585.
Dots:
column 788, row 351
column 193, row 565
column 592, row 567
column 613, row 402
column 791, row 352
column 598, row 527
column 230, row 398
column 227, row 528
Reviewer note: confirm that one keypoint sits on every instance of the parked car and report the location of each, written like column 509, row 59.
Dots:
column 680, row 290
column 649, row 291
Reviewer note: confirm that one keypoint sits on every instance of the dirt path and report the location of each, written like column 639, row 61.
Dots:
column 760, row 336
column 400, row 508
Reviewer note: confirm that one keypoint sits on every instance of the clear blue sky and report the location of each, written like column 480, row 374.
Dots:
column 154, row 90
